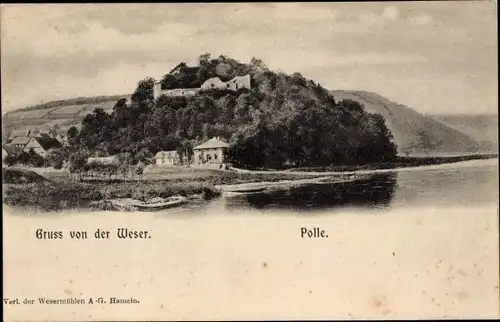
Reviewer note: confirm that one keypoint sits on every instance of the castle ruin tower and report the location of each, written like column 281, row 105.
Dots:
column 157, row 90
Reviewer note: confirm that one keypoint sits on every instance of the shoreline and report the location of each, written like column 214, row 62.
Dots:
column 68, row 194
column 402, row 164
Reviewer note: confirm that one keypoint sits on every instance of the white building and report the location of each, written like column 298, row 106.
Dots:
column 104, row 160
column 234, row 84
column 42, row 145
column 167, row 158
column 212, row 152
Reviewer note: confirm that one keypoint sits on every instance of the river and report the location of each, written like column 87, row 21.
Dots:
column 468, row 184
column 419, row 243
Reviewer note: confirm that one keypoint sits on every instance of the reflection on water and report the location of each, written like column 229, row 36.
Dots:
column 471, row 187
column 376, row 191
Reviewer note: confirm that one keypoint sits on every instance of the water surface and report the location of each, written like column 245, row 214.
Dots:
column 469, row 184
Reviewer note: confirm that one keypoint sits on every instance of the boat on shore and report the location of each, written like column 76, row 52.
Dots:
column 154, row 204
column 249, row 190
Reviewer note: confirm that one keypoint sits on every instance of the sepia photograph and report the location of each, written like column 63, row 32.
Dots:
column 250, row 161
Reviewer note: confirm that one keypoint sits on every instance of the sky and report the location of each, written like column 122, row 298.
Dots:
column 436, row 57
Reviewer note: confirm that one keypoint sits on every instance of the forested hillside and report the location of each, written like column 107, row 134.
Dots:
column 283, row 119
column 415, row 134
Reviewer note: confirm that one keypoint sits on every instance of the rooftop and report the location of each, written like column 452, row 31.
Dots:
column 20, row 133
column 169, row 154
column 103, row 160
column 213, row 143
column 20, row 140
column 47, row 142
column 12, row 150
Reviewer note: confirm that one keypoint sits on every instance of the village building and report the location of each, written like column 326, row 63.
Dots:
column 11, row 150
column 20, row 134
column 8, row 151
column 42, row 145
column 104, row 160
column 234, row 84
column 168, row 158
column 212, row 152
column 19, row 142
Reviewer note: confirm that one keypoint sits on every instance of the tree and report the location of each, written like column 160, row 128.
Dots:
column 204, row 59
column 185, row 150
column 78, row 161
column 55, row 130
column 125, row 161
column 257, row 65
column 144, row 90
column 140, row 169
column 35, row 159
column 168, row 82
column 57, row 157
column 72, row 132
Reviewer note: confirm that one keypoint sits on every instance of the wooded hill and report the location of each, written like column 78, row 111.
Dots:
column 282, row 120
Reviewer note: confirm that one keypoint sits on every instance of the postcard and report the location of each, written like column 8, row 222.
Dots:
column 250, row 161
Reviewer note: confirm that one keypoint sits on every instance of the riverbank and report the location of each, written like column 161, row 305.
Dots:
column 55, row 190
column 61, row 194
column 53, row 196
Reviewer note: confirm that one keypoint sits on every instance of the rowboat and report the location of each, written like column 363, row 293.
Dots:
column 129, row 204
column 160, row 203
column 247, row 190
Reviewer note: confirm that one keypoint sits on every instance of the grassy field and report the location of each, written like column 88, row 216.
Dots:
column 65, row 113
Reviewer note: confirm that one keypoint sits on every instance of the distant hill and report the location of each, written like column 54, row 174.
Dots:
column 64, row 113
column 481, row 127
column 414, row 133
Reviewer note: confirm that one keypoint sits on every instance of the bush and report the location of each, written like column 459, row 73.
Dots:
column 19, row 176
column 51, row 196
column 58, row 164
column 147, row 190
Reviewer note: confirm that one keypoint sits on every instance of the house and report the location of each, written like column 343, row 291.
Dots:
column 8, row 151
column 19, row 141
column 212, row 152
column 168, row 158
column 103, row 160
column 20, row 133
column 42, row 145
column 234, row 84
column 11, row 150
